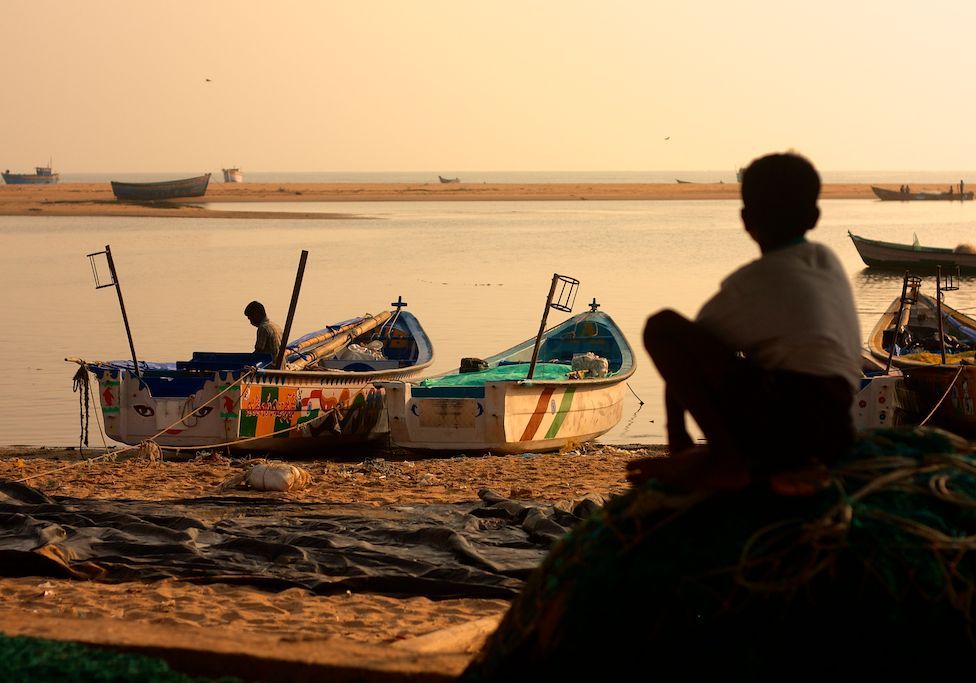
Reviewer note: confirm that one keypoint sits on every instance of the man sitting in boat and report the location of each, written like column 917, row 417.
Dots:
column 268, row 337
column 770, row 365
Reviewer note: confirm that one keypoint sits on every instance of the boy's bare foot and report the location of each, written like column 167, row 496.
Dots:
column 694, row 469
column 802, row 481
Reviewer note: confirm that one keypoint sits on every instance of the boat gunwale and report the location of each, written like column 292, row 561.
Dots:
column 903, row 247
column 159, row 183
column 369, row 375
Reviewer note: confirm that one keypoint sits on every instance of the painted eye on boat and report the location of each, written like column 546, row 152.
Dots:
column 203, row 412
column 144, row 411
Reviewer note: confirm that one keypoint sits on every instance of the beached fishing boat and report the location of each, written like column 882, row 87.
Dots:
column 448, row 180
column 574, row 396
column 167, row 189
column 43, row 175
column 934, row 347
column 900, row 196
column 324, row 397
column 914, row 257
column 233, row 175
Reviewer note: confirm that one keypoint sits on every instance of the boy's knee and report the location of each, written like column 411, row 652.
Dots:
column 662, row 325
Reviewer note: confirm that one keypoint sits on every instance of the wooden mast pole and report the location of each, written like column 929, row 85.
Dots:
column 279, row 361
column 542, row 327
column 125, row 318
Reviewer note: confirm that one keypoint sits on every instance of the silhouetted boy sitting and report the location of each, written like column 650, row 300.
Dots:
column 769, row 367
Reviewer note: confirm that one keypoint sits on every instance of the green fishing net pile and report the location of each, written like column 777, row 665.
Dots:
column 501, row 373
column 49, row 661
column 872, row 576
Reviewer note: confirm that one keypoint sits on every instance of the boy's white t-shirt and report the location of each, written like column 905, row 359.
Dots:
column 791, row 309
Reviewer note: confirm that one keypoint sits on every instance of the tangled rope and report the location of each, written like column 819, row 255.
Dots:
column 80, row 386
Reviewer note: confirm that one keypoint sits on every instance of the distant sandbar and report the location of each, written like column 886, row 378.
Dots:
column 96, row 199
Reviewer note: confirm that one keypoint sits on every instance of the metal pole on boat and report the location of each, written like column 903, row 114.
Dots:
column 906, row 298
column 938, row 310
column 948, row 285
column 901, row 307
column 125, row 318
column 279, row 361
column 564, row 302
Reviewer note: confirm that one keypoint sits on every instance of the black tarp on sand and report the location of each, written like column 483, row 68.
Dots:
column 481, row 549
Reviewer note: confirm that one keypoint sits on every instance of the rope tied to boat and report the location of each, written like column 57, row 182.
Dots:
column 147, row 448
column 80, row 386
column 948, row 389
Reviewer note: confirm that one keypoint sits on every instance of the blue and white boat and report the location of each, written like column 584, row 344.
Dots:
column 43, row 175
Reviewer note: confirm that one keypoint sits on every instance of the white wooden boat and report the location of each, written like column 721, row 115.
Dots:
column 324, row 398
column 233, row 175
column 498, row 410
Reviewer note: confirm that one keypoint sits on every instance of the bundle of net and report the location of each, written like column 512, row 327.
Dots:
column 873, row 575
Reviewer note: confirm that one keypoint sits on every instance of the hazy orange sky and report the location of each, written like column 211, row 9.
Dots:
column 502, row 85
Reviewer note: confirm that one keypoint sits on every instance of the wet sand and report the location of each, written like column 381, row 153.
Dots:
column 96, row 199
column 432, row 639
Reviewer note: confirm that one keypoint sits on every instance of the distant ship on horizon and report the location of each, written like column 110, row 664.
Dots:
column 43, row 175
column 233, row 175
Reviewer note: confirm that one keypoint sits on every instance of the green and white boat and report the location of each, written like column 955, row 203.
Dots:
column 575, row 395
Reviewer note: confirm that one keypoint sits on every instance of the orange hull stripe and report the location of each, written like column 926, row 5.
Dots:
column 540, row 412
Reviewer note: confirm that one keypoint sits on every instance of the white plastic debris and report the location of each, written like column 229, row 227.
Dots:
column 278, row 476
column 270, row 476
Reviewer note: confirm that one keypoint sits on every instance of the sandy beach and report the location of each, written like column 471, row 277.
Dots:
column 432, row 639
column 96, row 199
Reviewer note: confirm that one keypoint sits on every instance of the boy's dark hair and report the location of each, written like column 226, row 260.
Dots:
column 255, row 308
column 779, row 197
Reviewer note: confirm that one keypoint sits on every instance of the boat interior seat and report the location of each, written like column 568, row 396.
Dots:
column 564, row 348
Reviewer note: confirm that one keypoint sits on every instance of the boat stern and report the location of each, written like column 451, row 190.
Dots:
column 135, row 409
column 501, row 417
column 442, row 418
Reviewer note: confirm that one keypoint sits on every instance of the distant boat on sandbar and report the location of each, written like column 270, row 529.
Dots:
column 233, row 175
column 906, row 195
column 167, row 189
column 448, row 180
column 43, row 175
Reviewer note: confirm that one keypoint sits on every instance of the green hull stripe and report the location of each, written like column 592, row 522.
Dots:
column 107, row 411
column 561, row 413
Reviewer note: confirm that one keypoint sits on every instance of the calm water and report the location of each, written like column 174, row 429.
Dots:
column 475, row 273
